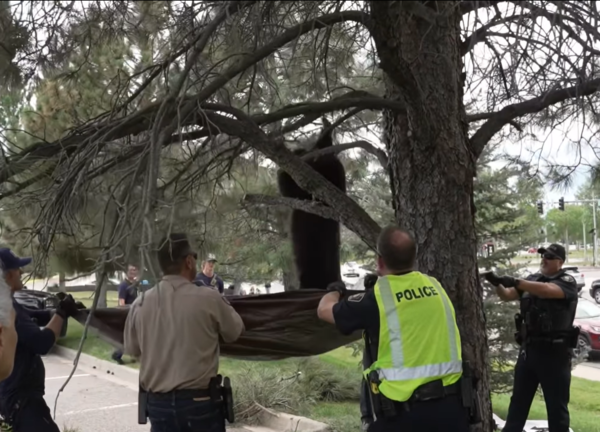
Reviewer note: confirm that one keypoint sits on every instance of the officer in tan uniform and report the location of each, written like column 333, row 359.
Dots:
column 174, row 330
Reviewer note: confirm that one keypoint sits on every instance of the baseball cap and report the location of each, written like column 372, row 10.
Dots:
column 211, row 257
column 554, row 249
column 10, row 261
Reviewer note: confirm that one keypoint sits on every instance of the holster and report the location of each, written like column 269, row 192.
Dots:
column 222, row 394
column 574, row 337
column 382, row 406
column 142, row 406
column 468, row 392
column 519, row 336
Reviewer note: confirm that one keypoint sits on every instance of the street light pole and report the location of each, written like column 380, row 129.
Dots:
column 595, row 230
column 584, row 243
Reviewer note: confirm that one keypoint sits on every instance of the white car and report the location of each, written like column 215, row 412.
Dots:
column 579, row 277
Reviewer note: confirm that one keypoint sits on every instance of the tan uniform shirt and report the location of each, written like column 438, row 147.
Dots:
column 174, row 330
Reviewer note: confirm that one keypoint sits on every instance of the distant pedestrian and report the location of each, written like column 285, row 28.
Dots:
column 207, row 276
column 128, row 291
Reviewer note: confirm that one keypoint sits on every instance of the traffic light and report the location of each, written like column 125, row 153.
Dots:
column 561, row 204
column 540, row 206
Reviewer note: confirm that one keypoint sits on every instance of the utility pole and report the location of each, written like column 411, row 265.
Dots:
column 595, row 230
column 567, row 243
column 584, row 243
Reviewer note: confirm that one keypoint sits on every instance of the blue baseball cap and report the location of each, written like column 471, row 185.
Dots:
column 10, row 261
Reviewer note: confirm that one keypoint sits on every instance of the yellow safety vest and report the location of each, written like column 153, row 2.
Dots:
column 419, row 341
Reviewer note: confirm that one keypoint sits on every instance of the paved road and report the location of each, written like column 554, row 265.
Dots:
column 90, row 403
column 93, row 401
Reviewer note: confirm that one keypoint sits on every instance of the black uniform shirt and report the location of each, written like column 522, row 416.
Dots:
column 359, row 312
column 565, row 282
column 29, row 375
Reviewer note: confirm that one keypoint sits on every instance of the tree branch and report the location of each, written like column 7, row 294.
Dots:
column 497, row 120
column 363, row 100
column 313, row 207
column 287, row 36
column 365, row 145
column 471, row 6
column 480, row 34
column 349, row 212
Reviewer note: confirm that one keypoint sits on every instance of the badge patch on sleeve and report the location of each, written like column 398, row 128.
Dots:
column 568, row 278
column 356, row 297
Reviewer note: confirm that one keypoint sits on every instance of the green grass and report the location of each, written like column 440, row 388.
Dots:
column 343, row 369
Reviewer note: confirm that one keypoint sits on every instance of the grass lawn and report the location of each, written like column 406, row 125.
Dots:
column 345, row 417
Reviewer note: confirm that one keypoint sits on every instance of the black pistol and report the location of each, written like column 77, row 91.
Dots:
column 228, row 400
column 142, row 406
column 468, row 389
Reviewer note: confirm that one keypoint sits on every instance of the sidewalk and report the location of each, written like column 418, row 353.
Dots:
column 128, row 379
column 586, row 371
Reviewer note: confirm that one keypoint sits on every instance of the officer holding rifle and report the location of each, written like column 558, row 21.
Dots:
column 174, row 330
column 546, row 336
column 417, row 379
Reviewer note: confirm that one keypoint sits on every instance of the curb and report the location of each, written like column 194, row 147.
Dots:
column 113, row 372
column 288, row 422
column 269, row 420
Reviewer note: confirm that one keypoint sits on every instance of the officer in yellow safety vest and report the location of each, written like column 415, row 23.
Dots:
column 417, row 378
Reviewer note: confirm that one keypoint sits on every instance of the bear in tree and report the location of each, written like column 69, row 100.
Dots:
column 315, row 240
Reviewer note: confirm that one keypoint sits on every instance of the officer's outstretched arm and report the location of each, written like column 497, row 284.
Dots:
column 325, row 309
column 131, row 344
column 229, row 322
column 541, row 289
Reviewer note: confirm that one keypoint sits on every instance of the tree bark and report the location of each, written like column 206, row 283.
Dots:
column 431, row 165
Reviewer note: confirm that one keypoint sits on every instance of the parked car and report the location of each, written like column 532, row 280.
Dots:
column 587, row 316
column 39, row 300
column 595, row 291
column 579, row 277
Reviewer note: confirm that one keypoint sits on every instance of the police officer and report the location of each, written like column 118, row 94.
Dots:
column 207, row 276
column 545, row 331
column 174, row 330
column 127, row 292
column 412, row 338
column 22, row 401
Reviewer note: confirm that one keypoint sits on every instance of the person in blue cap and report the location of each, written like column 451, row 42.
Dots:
column 22, row 402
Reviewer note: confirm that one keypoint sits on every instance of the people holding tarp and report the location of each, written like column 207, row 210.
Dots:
column 417, row 379
column 174, row 330
column 546, row 335
column 22, row 403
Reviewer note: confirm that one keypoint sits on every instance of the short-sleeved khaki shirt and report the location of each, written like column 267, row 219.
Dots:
column 174, row 330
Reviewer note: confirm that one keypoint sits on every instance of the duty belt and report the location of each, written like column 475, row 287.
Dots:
column 432, row 390
column 180, row 394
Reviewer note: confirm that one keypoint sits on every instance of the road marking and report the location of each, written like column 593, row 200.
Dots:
column 67, row 376
column 111, row 407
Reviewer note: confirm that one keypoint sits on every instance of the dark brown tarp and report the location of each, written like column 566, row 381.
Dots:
column 278, row 326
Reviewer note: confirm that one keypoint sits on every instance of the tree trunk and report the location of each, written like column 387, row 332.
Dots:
column 431, row 166
column 102, row 303
column 62, row 282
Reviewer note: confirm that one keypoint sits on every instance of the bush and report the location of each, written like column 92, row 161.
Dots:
column 327, row 383
column 293, row 389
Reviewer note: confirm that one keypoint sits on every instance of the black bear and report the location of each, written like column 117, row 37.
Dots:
column 316, row 240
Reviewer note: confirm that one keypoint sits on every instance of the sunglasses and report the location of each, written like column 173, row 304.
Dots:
column 549, row 256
